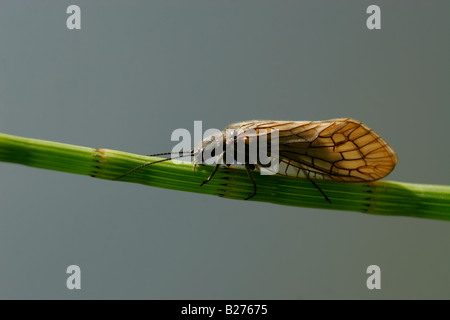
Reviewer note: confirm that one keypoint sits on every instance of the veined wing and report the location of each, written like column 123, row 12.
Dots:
column 339, row 149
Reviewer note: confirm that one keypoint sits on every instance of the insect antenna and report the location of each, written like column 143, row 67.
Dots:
column 167, row 153
column 154, row 162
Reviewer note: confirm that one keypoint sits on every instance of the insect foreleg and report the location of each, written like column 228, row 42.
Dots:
column 211, row 175
column 250, row 175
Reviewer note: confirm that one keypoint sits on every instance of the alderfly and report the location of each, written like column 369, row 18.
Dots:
column 339, row 149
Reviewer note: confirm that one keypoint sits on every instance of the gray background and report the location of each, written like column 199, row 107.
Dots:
column 137, row 70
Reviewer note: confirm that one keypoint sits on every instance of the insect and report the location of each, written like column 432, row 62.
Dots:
column 339, row 149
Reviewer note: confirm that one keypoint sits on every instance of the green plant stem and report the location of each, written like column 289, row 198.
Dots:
column 381, row 197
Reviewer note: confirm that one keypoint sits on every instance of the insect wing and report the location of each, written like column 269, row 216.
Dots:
column 339, row 149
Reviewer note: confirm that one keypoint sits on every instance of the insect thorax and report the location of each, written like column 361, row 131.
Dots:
column 236, row 146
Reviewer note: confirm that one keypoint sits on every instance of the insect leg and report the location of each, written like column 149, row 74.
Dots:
column 250, row 175
column 321, row 191
column 211, row 175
